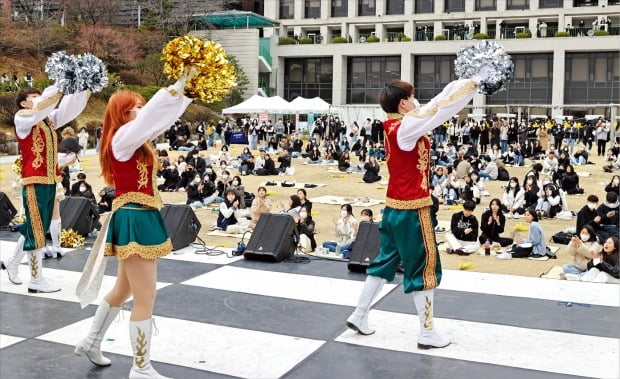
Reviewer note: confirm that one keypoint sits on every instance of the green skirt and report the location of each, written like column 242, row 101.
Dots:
column 134, row 229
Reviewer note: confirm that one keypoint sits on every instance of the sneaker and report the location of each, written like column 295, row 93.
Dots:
column 505, row 255
column 509, row 215
column 439, row 229
column 538, row 257
column 516, row 215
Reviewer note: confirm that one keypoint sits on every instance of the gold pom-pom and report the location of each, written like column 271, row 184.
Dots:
column 214, row 77
column 17, row 166
column 71, row 238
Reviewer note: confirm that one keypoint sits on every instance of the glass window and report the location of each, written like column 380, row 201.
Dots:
column 367, row 8
column 340, row 8
column 424, row 6
column 587, row 3
column 287, row 9
column 518, row 4
column 532, row 82
column 592, row 78
column 366, row 76
column 486, row 5
column 551, row 3
column 432, row 74
column 455, row 5
column 312, row 9
column 308, row 77
column 395, row 7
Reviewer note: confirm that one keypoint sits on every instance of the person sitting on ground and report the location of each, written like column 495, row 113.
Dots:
column 345, row 231
column 314, row 155
column 171, row 179
column 81, row 187
column 372, row 171
column 284, row 158
column 224, row 157
column 303, row 200
column 513, row 199
column 292, row 206
column 569, row 181
column 261, row 204
column 194, row 195
column 228, row 218
column 469, row 190
column 245, row 154
column 534, row 246
column 106, row 195
column 609, row 216
column 269, row 167
column 580, row 248
column 490, row 172
column 247, row 166
column 587, row 215
column 438, row 180
column 186, row 177
column 550, row 204
column 451, row 188
column 305, row 227
column 492, row 224
column 614, row 185
column 366, row 215
column 605, row 266
column 550, row 164
column 344, row 162
column 463, row 236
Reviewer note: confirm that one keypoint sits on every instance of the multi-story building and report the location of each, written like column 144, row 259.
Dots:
column 566, row 52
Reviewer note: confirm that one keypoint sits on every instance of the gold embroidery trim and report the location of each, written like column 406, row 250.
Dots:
column 142, row 172
column 457, row 95
column 158, row 203
column 51, row 144
column 39, row 180
column 135, row 197
column 394, row 116
column 34, row 265
column 146, row 252
column 141, row 350
column 38, row 144
column 46, row 103
column 408, row 204
column 35, row 217
column 423, row 157
column 428, row 314
column 429, row 276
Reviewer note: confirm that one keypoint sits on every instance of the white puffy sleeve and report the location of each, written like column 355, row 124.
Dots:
column 25, row 119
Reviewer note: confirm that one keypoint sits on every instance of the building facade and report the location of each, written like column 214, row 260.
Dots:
column 566, row 52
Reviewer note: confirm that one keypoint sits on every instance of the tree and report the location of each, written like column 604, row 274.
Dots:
column 117, row 49
column 152, row 70
column 93, row 11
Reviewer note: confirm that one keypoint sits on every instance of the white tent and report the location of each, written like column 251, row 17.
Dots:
column 314, row 105
column 259, row 104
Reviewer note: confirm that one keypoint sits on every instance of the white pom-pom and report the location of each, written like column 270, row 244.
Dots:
column 62, row 69
column 499, row 67
column 91, row 73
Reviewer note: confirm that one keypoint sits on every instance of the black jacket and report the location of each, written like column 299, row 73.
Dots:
column 459, row 223
column 493, row 230
column 609, row 264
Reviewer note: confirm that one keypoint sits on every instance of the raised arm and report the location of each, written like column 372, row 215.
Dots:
column 69, row 108
column 43, row 106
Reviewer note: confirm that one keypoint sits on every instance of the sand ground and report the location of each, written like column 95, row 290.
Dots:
column 351, row 186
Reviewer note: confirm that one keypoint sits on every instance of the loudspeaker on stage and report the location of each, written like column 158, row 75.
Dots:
column 79, row 214
column 181, row 223
column 366, row 246
column 274, row 238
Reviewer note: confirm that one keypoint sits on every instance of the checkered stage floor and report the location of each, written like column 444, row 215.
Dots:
column 228, row 317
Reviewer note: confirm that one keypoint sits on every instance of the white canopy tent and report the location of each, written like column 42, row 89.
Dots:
column 260, row 104
column 314, row 105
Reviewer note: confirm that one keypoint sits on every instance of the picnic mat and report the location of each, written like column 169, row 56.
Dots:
column 296, row 185
column 554, row 273
column 221, row 233
column 334, row 163
column 354, row 201
column 334, row 170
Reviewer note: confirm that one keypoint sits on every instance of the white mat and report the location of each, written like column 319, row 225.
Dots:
column 339, row 200
column 297, row 185
column 221, row 233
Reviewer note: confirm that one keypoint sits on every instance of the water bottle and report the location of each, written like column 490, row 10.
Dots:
column 487, row 247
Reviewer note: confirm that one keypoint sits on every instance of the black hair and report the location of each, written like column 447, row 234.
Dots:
column 533, row 213
column 611, row 197
column 295, row 201
column 593, row 199
column 469, row 205
column 391, row 95
column 23, row 95
column 348, row 208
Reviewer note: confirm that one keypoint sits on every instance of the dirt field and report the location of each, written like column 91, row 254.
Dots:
column 351, row 186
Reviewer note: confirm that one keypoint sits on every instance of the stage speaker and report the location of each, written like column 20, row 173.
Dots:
column 365, row 247
column 182, row 225
column 79, row 214
column 274, row 238
column 7, row 210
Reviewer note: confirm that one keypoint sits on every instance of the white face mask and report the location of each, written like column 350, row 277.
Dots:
column 303, row 214
column 592, row 206
column 513, row 185
column 82, row 188
column 235, row 183
column 196, row 180
column 530, row 181
column 344, row 214
column 584, row 237
column 416, row 103
column 616, row 181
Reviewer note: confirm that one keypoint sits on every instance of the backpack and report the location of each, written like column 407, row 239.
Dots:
column 502, row 174
column 562, row 238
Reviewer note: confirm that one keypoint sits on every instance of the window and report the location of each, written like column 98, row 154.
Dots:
column 395, row 7
column 424, row 6
column 587, row 3
column 486, row 5
column 432, row 74
column 532, row 82
column 592, row 78
column 551, row 3
column 287, row 9
column 366, row 8
column 367, row 76
column 308, row 77
column 340, row 8
column 312, row 9
column 455, row 6
column 518, row 4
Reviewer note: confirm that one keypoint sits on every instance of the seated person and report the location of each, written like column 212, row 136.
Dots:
column 344, row 162
column 614, row 185
column 569, row 181
column 469, row 190
column 228, row 218
column 171, row 179
column 194, row 196
column 367, row 215
column 550, row 204
column 609, row 214
column 513, row 199
column 107, row 195
column 605, row 266
column 463, row 235
column 236, row 184
column 261, row 204
column 534, row 246
column 492, row 224
column 372, row 171
column 284, row 159
column 292, row 206
column 268, row 168
column 345, row 231
column 82, row 189
column 580, row 248
column 224, row 157
column 305, row 227
column 587, row 214
column 490, row 171
column 247, row 165
column 303, row 199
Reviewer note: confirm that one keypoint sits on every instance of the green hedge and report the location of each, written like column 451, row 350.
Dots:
column 306, row 41
column 405, row 39
column 526, row 34
column 286, row 41
column 562, row 34
column 481, row 36
column 372, row 38
column 440, row 37
column 339, row 39
column 599, row 33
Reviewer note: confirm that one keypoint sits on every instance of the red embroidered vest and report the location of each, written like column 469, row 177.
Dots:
column 40, row 155
column 408, row 187
column 135, row 183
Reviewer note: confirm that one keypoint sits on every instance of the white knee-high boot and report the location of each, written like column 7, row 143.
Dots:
column 37, row 283
column 358, row 320
column 424, row 303
column 55, row 250
column 12, row 264
column 140, row 334
column 91, row 345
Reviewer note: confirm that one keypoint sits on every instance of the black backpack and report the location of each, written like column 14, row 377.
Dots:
column 502, row 174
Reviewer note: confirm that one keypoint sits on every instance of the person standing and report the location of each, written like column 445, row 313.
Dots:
column 36, row 122
column 408, row 204
column 602, row 132
column 136, row 234
column 83, row 140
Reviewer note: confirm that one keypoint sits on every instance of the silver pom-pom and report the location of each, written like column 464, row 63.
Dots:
column 61, row 68
column 498, row 66
column 91, row 73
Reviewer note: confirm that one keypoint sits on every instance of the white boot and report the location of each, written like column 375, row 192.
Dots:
column 91, row 345
column 12, row 264
column 358, row 320
column 55, row 250
column 37, row 283
column 428, row 336
column 140, row 334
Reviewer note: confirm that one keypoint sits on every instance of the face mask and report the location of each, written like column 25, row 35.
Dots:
column 82, row 189
column 584, row 237
column 235, row 183
column 196, row 180
column 365, row 218
column 303, row 214
column 530, row 181
column 513, row 185
column 592, row 206
column 344, row 214
column 616, row 181
column 416, row 103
